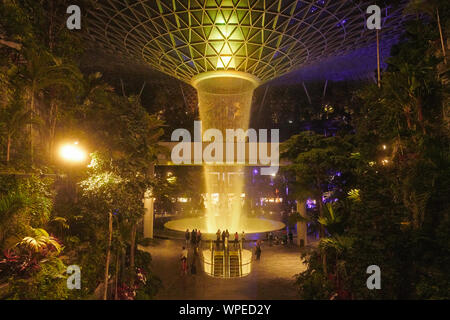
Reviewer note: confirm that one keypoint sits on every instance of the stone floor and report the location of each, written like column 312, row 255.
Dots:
column 271, row 278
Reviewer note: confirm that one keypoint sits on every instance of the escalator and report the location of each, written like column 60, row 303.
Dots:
column 234, row 264
column 225, row 262
column 218, row 264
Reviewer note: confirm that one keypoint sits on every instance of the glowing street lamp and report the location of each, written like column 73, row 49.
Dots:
column 72, row 153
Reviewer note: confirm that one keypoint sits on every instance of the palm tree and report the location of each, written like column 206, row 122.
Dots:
column 430, row 7
column 384, row 3
column 10, row 205
column 13, row 119
column 339, row 245
column 330, row 220
column 408, row 86
column 43, row 71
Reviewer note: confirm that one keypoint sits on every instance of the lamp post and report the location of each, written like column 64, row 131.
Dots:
column 72, row 154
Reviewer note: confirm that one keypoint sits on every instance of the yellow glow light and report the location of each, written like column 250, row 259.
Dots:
column 225, row 62
column 272, row 200
column 72, row 153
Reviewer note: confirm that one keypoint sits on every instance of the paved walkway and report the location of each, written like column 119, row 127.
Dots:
column 271, row 278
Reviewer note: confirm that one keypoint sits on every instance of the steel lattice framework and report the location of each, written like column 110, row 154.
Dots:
column 266, row 38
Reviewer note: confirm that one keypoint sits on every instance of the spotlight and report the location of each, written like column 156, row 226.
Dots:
column 72, row 153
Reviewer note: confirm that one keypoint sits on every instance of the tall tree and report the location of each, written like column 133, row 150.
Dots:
column 13, row 119
column 315, row 159
column 431, row 8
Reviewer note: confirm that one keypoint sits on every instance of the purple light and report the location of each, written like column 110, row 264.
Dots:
column 341, row 23
column 255, row 171
column 310, row 204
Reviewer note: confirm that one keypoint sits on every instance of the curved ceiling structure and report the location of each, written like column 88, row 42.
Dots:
column 266, row 38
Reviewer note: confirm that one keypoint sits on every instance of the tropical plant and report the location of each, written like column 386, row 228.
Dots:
column 314, row 159
column 49, row 282
column 41, row 242
column 10, row 205
column 13, row 119
column 331, row 220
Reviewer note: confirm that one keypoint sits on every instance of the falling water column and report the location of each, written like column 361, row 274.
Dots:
column 225, row 99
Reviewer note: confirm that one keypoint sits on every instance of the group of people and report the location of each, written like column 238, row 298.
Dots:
column 194, row 237
column 284, row 239
column 224, row 238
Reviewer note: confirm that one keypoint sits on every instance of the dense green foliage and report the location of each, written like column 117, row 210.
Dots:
column 392, row 208
column 50, row 211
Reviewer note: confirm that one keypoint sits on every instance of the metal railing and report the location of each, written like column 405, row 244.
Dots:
column 219, row 249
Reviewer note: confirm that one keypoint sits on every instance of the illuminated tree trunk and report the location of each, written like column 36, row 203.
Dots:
column 108, row 257
column 441, row 35
column 378, row 60
column 133, row 245
column 117, row 275
column 32, row 107
column 8, row 148
column 301, row 225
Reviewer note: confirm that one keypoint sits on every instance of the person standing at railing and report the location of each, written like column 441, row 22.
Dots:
column 243, row 238
column 199, row 237
column 218, row 239
column 236, row 240
column 224, row 235
column 187, row 236
column 194, row 237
